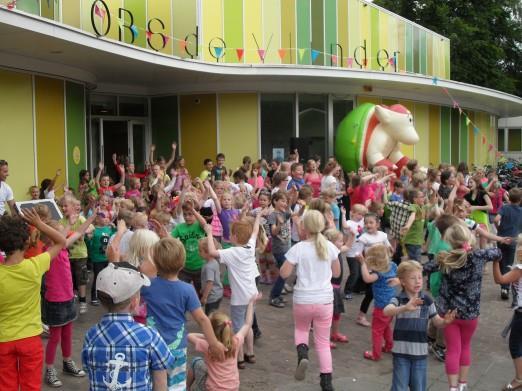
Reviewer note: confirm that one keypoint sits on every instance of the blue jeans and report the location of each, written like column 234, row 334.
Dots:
column 409, row 374
column 414, row 251
column 279, row 284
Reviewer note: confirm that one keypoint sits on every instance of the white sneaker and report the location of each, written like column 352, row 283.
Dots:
column 83, row 308
column 51, row 378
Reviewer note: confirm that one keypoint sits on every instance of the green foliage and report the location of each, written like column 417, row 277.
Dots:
column 486, row 37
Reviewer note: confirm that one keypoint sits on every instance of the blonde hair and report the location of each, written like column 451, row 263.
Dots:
column 332, row 234
column 222, row 326
column 407, row 267
column 359, row 208
column 459, row 238
column 314, row 224
column 139, row 220
column 139, row 246
column 168, row 255
column 378, row 258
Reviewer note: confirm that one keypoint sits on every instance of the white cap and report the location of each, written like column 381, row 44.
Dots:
column 120, row 281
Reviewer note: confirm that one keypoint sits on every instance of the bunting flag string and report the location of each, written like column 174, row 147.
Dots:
column 240, row 53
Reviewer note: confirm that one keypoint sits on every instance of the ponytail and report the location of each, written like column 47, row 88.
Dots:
column 321, row 246
column 455, row 259
column 314, row 223
column 222, row 326
column 461, row 240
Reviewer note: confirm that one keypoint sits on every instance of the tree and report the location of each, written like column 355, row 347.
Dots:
column 486, row 37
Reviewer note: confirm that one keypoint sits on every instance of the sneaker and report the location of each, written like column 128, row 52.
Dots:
column 95, row 302
column 276, row 302
column 70, row 368
column 463, row 387
column 504, row 294
column 348, row 296
column 362, row 321
column 83, row 308
column 438, row 352
column 289, row 288
column 51, row 378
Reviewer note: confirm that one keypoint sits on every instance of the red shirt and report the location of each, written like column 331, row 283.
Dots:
column 360, row 195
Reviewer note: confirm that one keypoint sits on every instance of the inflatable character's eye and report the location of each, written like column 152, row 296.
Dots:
column 411, row 119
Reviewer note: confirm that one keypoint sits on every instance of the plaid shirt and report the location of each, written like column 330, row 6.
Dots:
column 400, row 213
column 119, row 354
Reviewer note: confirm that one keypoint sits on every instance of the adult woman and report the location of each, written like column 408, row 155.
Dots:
column 480, row 205
column 316, row 261
column 329, row 180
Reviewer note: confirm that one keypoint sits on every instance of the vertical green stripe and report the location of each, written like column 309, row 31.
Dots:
column 184, row 21
column 330, row 29
column 416, row 50
column 30, row 6
column 138, row 9
column 374, row 33
column 463, row 157
column 423, row 52
column 233, row 26
column 318, row 30
column 75, row 120
column 409, row 48
column 47, row 9
column 429, row 57
column 303, row 30
column 455, row 134
column 288, row 33
column 445, row 133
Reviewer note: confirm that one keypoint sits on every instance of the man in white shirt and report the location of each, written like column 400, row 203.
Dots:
column 6, row 194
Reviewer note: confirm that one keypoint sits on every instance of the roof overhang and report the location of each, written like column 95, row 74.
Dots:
column 42, row 46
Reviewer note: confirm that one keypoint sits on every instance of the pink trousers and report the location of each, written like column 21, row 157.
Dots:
column 57, row 334
column 458, row 344
column 321, row 316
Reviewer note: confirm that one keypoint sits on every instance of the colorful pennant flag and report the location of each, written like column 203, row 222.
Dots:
column 149, row 34
column 182, row 45
column 483, row 140
column 490, row 148
column 99, row 11
column 166, row 40
column 11, row 5
column 134, row 30
column 315, row 54
column 468, row 121
column 334, row 59
column 391, row 61
column 261, row 53
column 455, row 104
column 365, row 62
column 240, row 53
column 301, row 53
column 218, row 50
column 475, row 130
column 435, row 80
column 349, row 61
column 460, row 111
column 281, row 53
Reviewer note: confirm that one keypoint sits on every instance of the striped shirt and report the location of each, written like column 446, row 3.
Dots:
column 410, row 333
column 119, row 354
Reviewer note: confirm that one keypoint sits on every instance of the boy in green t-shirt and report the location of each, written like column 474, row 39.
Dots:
column 97, row 247
column 413, row 231
column 78, row 250
column 189, row 234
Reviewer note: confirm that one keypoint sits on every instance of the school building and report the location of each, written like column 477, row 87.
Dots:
column 82, row 79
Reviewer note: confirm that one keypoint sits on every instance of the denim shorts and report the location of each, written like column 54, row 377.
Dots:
column 238, row 314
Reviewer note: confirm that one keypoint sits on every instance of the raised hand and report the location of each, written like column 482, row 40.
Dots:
column 174, row 145
column 101, row 166
column 153, row 147
column 31, row 217
column 414, row 303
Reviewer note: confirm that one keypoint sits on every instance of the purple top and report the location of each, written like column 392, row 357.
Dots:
column 227, row 217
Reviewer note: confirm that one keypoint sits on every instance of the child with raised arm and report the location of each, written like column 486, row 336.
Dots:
column 241, row 263
column 211, row 287
column 206, row 374
column 103, row 182
column 59, row 309
column 168, row 300
column 412, row 308
column 21, row 351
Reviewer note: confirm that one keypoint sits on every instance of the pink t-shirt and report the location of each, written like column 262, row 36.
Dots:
column 314, row 180
column 257, row 182
column 497, row 200
column 361, row 194
column 224, row 375
column 58, row 280
column 133, row 193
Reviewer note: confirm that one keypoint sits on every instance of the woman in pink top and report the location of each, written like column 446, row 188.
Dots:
column 59, row 310
column 313, row 177
column 210, row 375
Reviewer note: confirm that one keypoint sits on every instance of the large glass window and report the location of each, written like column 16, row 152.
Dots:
column 103, row 105
column 133, row 106
column 514, row 140
column 277, row 124
column 500, row 140
column 313, row 125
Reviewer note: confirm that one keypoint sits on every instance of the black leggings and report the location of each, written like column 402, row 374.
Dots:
column 515, row 336
column 368, row 297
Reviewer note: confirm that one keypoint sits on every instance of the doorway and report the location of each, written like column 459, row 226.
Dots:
column 125, row 138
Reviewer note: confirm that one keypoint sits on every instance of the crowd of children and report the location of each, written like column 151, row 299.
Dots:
column 154, row 242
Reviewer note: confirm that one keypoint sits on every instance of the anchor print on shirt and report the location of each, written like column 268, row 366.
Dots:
column 114, row 368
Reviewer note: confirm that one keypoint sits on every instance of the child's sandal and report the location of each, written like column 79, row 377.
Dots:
column 369, row 356
column 250, row 358
column 510, row 386
column 241, row 365
column 336, row 337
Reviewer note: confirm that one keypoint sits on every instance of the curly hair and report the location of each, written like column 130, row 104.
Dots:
column 14, row 234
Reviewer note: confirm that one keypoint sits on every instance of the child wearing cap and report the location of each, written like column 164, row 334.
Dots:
column 168, row 300
column 119, row 353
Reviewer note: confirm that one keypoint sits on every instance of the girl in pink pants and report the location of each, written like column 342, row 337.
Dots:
column 460, row 290
column 315, row 260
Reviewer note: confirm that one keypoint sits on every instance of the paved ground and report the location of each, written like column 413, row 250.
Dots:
column 491, row 368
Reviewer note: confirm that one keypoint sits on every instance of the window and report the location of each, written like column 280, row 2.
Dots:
column 514, row 140
column 103, row 105
column 131, row 106
column 500, row 140
column 313, row 125
column 277, row 124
